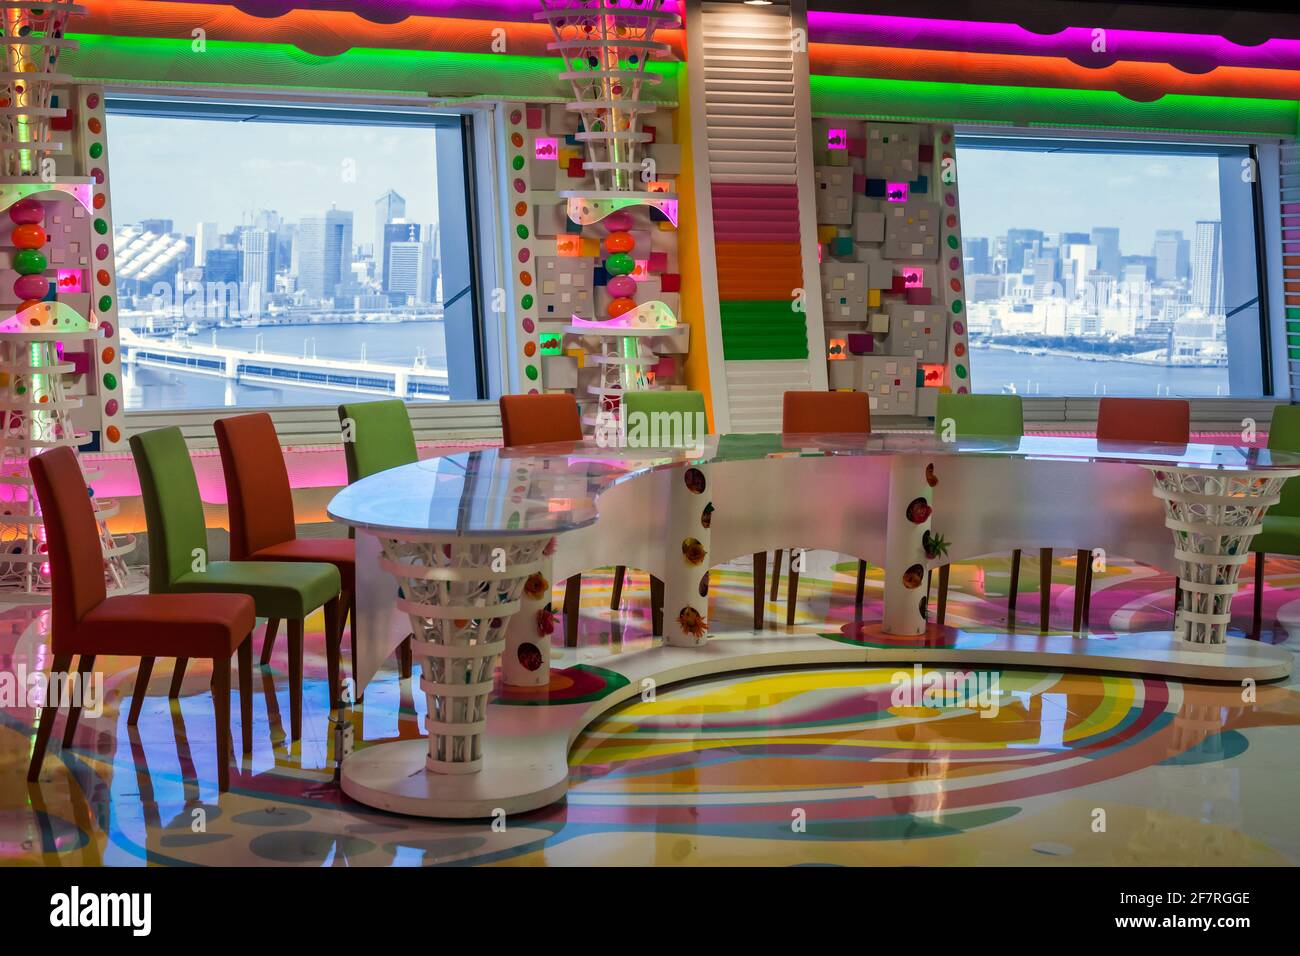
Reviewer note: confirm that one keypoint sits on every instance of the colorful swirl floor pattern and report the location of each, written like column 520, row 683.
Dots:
column 817, row 766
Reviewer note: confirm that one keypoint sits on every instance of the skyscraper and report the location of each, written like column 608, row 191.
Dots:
column 975, row 249
column 257, row 248
column 1106, row 239
column 221, row 265
column 1207, row 267
column 401, row 231
column 410, row 270
column 325, row 253
column 205, row 238
column 1022, row 247
column 388, row 207
column 1172, row 254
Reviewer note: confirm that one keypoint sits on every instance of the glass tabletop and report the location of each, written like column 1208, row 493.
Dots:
column 539, row 489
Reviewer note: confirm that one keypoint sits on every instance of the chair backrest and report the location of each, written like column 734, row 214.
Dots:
column 1284, row 435
column 538, row 419
column 258, row 497
column 377, row 436
column 1144, row 419
column 844, row 412
column 173, row 510
column 664, row 417
column 981, row 414
column 71, row 537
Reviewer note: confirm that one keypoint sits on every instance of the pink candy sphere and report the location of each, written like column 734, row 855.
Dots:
column 32, row 287
column 617, row 222
column 621, row 287
column 26, row 211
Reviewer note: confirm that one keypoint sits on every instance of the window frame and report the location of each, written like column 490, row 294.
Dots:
column 1210, row 413
column 312, row 422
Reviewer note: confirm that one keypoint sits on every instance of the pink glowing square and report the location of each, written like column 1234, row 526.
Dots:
column 71, row 280
column 896, row 192
column 546, row 147
column 837, row 139
column 913, row 277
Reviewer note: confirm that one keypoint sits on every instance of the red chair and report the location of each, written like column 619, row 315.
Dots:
column 85, row 622
column 262, row 525
column 807, row 413
column 1163, row 420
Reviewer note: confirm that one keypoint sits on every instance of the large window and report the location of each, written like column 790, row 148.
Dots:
column 1105, row 268
column 291, row 256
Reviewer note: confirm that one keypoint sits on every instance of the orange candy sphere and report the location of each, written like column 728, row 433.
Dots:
column 108, row 354
column 29, row 236
column 114, row 433
column 617, row 307
column 617, row 242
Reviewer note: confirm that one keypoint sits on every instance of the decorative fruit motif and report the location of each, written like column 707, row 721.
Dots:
column 913, row 577
column 706, row 517
column 919, row 511
column 546, row 621
column 931, row 478
column 530, row 656
column 704, row 584
column 935, row 545
column 693, row 551
column 692, row 622
column 925, row 607
column 536, row 585
column 695, row 482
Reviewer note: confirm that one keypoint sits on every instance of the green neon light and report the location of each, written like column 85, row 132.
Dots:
column 1039, row 106
column 110, row 59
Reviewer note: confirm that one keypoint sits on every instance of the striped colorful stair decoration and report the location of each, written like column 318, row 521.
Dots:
column 759, row 260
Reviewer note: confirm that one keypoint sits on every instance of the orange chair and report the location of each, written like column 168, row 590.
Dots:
column 809, row 412
column 87, row 623
column 262, row 526
column 1160, row 420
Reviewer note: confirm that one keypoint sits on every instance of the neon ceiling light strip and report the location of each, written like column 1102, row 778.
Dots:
column 1139, row 81
column 913, row 101
column 393, row 11
column 324, row 33
column 1190, row 52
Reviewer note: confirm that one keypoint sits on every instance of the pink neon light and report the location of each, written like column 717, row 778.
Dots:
column 837, row 139
column 896, row 192
column 546, row 147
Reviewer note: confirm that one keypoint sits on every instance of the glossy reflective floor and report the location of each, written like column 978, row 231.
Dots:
column 809, row 766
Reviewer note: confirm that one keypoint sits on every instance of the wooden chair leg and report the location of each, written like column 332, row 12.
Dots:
column 616, row 593
column 862, row 590
column 1044, row 587
column 221, row 707
column 656, row 606
column 776, row 573
column 268, row 642
column 84, row 667
column 791, row 590
column 1087, row 596
column 295, row 679
column 178, row 678
column 58, row 666
column 1081, row 559
column 245, row 655
column 142, row 676
column 1257, row 620
column 760, row 588
column 572, row 609
column 1013, row 586
column 942, row 616
column 405, row 659
column 334, row 612
column 350, row 613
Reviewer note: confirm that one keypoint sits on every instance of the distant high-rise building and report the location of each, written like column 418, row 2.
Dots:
column 1022, row 245
column 222, row 265
column 161, row 227
column 1106, row 239
column 1172, row 254
column 324, row 253
column 205, row 238
column 410, row 270
column 257, row 248
column 1207, row 267
column 388, row 207
column 400, row 231
column 975, row 250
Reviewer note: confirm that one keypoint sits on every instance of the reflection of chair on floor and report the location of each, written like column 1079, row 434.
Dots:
column 845, row 413
column 541, row 420
column 87, row 623
column 1168, row 421
column 990, row 416
column 1281, row 534
column 179, row 563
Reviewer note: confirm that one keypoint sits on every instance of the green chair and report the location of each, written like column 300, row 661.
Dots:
column 377, row 436
column 179, row 564
column 686, row 418
column 1281, row 534
column 994, row 416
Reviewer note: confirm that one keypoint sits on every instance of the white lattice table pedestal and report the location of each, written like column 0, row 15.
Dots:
column 1213, row 515
column 460, row 594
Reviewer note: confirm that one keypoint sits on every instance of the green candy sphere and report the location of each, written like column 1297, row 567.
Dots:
column 619, row 264
column 29, row 262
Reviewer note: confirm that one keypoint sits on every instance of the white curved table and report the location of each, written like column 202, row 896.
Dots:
column 475, row 539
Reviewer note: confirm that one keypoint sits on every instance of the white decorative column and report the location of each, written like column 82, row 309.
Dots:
column 1213, row 516
column 526, row 661
column 460, row 594
column 686, row 578
column 905, row 558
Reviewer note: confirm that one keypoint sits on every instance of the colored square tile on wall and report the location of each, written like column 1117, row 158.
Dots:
column 670, row 282
column 533, row 117
column 657, row 262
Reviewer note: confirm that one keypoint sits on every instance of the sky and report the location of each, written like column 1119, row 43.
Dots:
column 219, row 171
column 1072, row 192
